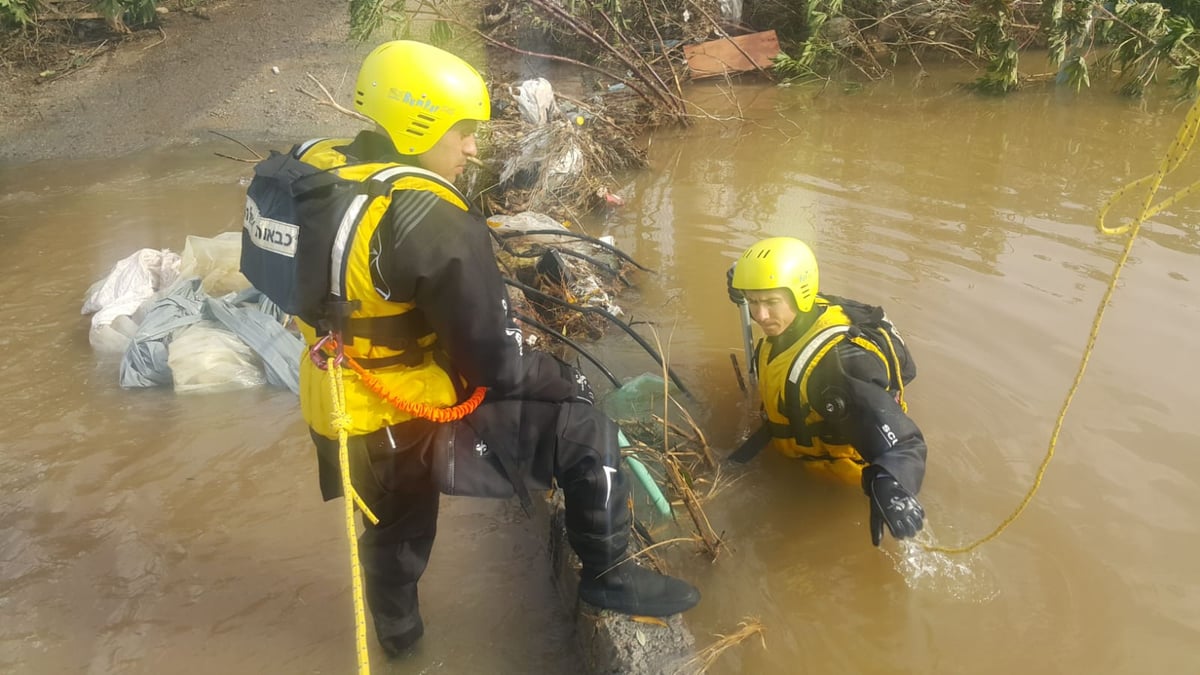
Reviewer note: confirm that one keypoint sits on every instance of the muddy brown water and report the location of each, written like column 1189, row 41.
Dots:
column 144, row 531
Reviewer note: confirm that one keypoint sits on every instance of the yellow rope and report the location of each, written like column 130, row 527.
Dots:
column 341, row 422
column 1179, row 149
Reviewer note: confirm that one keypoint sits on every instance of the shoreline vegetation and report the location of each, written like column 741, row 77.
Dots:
column 640, row 44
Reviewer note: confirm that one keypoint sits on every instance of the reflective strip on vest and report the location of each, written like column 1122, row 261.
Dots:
column 391, row 173
column 338, row 262
column 800, row 365
column 306, row 146
column 337, row 265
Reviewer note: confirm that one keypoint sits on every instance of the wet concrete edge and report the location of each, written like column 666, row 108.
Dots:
column 611, row 643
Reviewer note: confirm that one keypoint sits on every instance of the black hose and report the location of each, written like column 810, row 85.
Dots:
column 608, row 315
column 571, row 343
column 567, row 233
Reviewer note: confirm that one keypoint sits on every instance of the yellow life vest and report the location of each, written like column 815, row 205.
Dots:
column 413, row 374
column 783, row 384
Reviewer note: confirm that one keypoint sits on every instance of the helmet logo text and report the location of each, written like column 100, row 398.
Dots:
column 407, row 98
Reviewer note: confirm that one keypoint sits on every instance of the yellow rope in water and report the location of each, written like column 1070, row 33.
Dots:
column 341, row 422
column 1179, row 149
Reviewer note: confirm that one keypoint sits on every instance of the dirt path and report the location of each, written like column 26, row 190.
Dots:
column 197, row 74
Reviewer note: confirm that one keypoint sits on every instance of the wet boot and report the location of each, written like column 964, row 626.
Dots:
column 397, row 636
column 630, row 589
column 390, row 574
column 598, row 520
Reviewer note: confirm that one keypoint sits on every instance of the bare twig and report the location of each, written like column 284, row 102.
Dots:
column 709, row 458
column 649, row 68
column 705, row 658
column 83, row 63
column 712, row 543
column 257, row 157
column 555, row 57
column 330, row 101
column 665, row 97
column 236, row 159
column 164, row 39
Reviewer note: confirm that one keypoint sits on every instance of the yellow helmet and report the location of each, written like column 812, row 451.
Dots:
column 779, row 262
column 416, row 92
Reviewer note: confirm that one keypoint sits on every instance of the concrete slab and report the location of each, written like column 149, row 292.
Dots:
column 612, row 643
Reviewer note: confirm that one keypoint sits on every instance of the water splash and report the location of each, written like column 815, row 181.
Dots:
column 962, row 577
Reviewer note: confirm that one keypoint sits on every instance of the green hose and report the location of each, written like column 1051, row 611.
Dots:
column 644, row 477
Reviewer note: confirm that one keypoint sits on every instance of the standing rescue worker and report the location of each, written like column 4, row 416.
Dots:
column 429, row 324
column 831, row 374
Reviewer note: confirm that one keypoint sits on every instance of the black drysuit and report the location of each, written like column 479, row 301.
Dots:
column 850, row 387
column 445, row 264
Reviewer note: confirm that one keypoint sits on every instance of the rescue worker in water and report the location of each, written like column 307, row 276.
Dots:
column 430, row 325
column 831, row 375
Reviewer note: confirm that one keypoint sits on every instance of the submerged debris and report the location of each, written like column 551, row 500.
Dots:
column 705, row 658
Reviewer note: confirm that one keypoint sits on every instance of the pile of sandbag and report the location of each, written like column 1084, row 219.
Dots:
column 191, row 321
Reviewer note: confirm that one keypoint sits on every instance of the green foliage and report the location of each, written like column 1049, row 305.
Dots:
column 1187, row 9
column 1186, row 79
column 1075, row 73
column 1135, row 54
column 1135, row 41
column 1067, row 27
column 815, row 59
column 132, row 12
column 16, row 12
column 818, row 56
column 441, row 33
column 610, row 8
column 817, row 12
column 1001, row 74
column 995, row 44
column 1052, row 26
column 366, row 16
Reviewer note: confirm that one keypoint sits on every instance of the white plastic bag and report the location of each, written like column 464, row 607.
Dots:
column 535, row 100
column 131, row 282
column 216, row 260
column 114, row 337
column 205, row 358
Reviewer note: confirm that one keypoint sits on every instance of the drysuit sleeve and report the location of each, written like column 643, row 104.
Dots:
column 444, row 262
column 849, row 387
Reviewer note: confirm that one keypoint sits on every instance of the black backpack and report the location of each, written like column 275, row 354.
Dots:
column 872, row 323
column 288, row 233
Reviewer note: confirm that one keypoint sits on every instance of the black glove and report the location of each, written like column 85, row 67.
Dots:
column 735, row 296
column 891, row 504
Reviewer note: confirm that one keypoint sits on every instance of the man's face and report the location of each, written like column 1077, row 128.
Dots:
column 772, row 310
column 448, row 157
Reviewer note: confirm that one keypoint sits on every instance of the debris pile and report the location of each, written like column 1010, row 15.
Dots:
column 554, row 156
column 191, row 321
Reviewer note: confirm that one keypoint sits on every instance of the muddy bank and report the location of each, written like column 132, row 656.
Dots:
column 170, row 87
